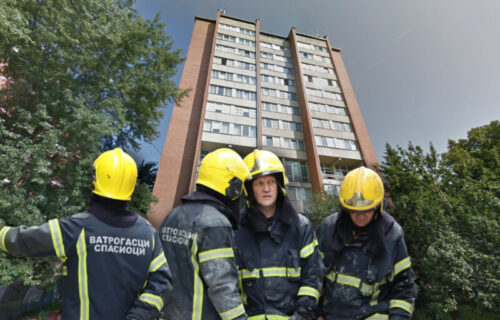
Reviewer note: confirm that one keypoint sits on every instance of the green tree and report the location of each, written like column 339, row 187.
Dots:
column 448, row 206
column 147, row 173
column 80, row 75
column 324, row 204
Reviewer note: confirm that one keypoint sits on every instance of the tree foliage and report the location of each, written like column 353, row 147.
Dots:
column 448, row 206
column 324, row 204
column 79, row 75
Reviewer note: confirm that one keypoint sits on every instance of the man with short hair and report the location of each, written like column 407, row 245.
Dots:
column 368, row 272
column 279, row 264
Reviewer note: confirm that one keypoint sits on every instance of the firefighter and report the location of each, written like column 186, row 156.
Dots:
column 113, row 263
column 277, row 255
column 197, row 237
column 368, row 272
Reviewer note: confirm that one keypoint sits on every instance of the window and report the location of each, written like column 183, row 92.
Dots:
column 288, row 95
column 247, row 95
column 236, row 29
column 271, row 141
column 335, row 143
column 270, row 123
column 296, row 171
column 332, row 83
column 266, row 55
column 268, row 141
column 300, row 193
column 306, row 55
column 291, row 126
column 282, row 58
column 269, row 106
column 269, row 92
column 304, row 45
column 226, row 37
column 331, row 189
column 289, row 110
column 321, row 49
column 219, row 90
column 222, row 75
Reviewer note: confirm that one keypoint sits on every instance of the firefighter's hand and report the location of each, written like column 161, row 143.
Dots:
column 320, row 318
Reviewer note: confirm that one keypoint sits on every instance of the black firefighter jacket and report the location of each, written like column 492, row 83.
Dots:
column 108, row 272
column 198, row 239
column 279, row 264
column 359, row 285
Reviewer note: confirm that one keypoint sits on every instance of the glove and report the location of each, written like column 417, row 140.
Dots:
column 297, row 316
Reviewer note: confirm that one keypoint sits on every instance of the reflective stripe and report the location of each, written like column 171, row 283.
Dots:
column 258, row 317
column 198, row 284
column 400, row 266
column 378, row 316
column 270, row 272
column 57, row 239
column 331, row 276
column 243, row 295
column 269, row 317
column 280, row 272
column 308, row 291
column 157, row 262
column 348, row 280
column 245, row 274
column 309, row 249
column 366, row 289
column 83, row 290
column 395, row 303
column 233, row 313
column 321, row 254
column 153, row 299
column 3, row 234
column 215, row 254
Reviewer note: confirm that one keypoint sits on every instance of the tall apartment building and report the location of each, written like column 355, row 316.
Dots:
column 251, row 89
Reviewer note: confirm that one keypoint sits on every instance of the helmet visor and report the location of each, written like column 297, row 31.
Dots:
column 235, row 188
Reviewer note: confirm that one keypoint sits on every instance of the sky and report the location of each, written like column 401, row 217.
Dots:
column 422, row 71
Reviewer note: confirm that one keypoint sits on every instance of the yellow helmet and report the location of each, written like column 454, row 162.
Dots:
column 224, row 171
column 115, row 175
column 361, row 190
column 263, row 163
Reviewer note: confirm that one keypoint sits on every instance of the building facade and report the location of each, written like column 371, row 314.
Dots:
column 251, row 89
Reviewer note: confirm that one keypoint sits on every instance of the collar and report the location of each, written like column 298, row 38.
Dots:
column 200, row 196
column 112, row 212
column 375, row 233
column 277, row 225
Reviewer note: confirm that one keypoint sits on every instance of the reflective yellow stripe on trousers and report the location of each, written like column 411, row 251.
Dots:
column 83, row 290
